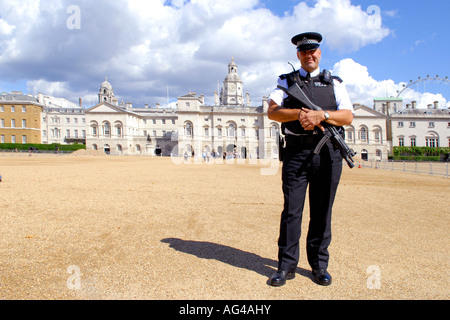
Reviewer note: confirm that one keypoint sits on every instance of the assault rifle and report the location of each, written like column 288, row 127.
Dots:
column 331, row 133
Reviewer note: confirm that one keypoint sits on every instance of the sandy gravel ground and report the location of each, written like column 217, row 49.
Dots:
column 98, row 227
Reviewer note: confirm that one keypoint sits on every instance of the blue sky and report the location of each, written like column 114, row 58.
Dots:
column 419, row 43
column 147, row 47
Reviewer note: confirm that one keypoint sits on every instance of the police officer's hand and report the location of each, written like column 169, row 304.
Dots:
column 309, row 119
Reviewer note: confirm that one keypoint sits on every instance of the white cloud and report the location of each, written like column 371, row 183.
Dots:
column 363, row 88
column 5, row 28
column 143, row 46
column 56, row 89
column 345, row 27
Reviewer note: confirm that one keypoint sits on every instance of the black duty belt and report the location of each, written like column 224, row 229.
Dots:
column 303, row 141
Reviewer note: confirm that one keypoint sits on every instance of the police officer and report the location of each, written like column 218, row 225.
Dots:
column 301, row 167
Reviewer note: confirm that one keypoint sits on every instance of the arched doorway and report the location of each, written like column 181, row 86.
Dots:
column 243, row 152
column 364, row 155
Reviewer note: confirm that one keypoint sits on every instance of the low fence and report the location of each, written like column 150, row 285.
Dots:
column 430, row 168
column 7, row 152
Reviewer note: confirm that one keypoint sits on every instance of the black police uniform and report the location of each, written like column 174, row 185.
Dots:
column 302, row 168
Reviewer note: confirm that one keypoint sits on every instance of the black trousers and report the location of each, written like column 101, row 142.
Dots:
column 322, row 173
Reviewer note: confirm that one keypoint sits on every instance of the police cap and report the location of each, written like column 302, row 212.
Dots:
column 307, row 41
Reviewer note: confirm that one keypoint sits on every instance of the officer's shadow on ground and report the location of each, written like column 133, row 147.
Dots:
column 232, row 256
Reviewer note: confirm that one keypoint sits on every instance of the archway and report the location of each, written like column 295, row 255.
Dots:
column 364, row 155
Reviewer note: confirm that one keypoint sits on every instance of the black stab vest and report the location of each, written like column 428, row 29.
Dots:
column 318, row 89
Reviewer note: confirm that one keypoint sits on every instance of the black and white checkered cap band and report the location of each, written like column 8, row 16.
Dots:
column 306, row 41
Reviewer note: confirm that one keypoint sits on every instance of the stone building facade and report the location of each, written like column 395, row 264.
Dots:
column 231, row 127
column 20, row 118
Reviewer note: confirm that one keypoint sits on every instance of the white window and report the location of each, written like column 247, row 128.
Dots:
column 188, row 129
column 24, row 123
column 432, row 143
column 363, row 134
column 231, row 130
column 24, row 139
column 274, row 131
column 350, row 135
column 377, row 136
column 106, row 129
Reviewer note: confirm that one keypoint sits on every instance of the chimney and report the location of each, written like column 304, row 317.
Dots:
column 436, row 105
column 408, row 106
column 146, row 106
column 249, row 102
column 80, row 101
column 216, row 98
column 429, row 106
column 413, row 104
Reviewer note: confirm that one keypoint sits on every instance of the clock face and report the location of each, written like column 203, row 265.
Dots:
column 232, row 87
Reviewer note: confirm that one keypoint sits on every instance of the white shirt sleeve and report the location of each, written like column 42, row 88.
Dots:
column 278, row 95
column 342, row 97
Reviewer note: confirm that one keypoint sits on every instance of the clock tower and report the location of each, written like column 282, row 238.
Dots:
column 232, row 93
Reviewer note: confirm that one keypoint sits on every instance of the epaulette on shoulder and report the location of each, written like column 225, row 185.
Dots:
column 288, row 75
